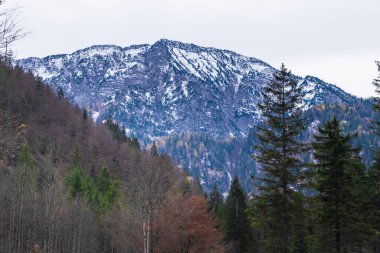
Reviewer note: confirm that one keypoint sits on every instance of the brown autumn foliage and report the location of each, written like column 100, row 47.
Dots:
column 150, row 214
column 186, row 226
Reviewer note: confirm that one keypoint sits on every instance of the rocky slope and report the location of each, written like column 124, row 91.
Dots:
column 181, row 94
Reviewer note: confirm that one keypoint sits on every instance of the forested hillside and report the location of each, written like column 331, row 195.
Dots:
column 70, row 185
column 172, row 147
column 313, row 192
column 218, row 160
column 199, row 103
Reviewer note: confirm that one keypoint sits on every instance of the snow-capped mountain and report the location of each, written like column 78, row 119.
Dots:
column 177, row 89
column 168, row 87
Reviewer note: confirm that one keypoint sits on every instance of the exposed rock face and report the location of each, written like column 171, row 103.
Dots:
column 176, row 89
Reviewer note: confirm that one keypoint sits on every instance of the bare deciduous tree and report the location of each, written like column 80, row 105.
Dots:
column 10, row 31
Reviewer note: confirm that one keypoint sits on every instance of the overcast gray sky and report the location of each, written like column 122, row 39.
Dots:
column 336, row 40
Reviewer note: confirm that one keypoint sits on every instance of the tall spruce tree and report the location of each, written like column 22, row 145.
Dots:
column 376, row 100
column 374, row 174
column 215, row 201
column 339, row 178
column 216, row 205
column 236, row 224
column 278, row 152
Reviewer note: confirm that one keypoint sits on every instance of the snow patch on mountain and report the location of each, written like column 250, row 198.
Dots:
column 169, row 87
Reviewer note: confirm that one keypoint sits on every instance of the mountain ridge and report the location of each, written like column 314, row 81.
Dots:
column 172, row 88
column 162, row 62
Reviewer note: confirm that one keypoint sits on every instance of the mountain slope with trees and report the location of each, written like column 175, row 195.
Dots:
column 70, row 185
column 199, row 103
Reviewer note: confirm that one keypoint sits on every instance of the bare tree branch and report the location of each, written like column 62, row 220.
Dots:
column 10, row 30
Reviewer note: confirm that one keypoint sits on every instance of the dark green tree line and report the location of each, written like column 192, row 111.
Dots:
column 339, row 181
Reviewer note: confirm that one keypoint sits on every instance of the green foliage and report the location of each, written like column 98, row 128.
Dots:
column 236, row 226
column 215, row 202
column 376, row 100
column 78, row 183
column 279, row 152
column 101, row 192
column 104, row 191
column 217, row 207
column 46, row 219
column 339, row 181
column 373, row 198
column 26, row 169
column 298, row 233
column 374, row 174
column 256, row 217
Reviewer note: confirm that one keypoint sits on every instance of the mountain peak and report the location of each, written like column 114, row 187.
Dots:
column 167, row 87
column 206, row 96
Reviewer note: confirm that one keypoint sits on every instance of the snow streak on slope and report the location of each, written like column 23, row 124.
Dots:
column 173, row 88
column 169, row 87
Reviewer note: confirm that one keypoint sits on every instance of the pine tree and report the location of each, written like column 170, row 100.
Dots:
column 338, row 181
column 374, row 173
column 278, row 153
column 236, row 224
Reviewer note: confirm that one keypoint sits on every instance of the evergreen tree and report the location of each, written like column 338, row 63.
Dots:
column 376, row 100
column 374, row 174
column 374, row 202
column 117, row 132
column 215, row 202
column 78, row 184
column 338, row 182
column 26, row 169
column 103, row 191
column 100, row 191
column 216, row 205
column 278, row 152
column 236, row 225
